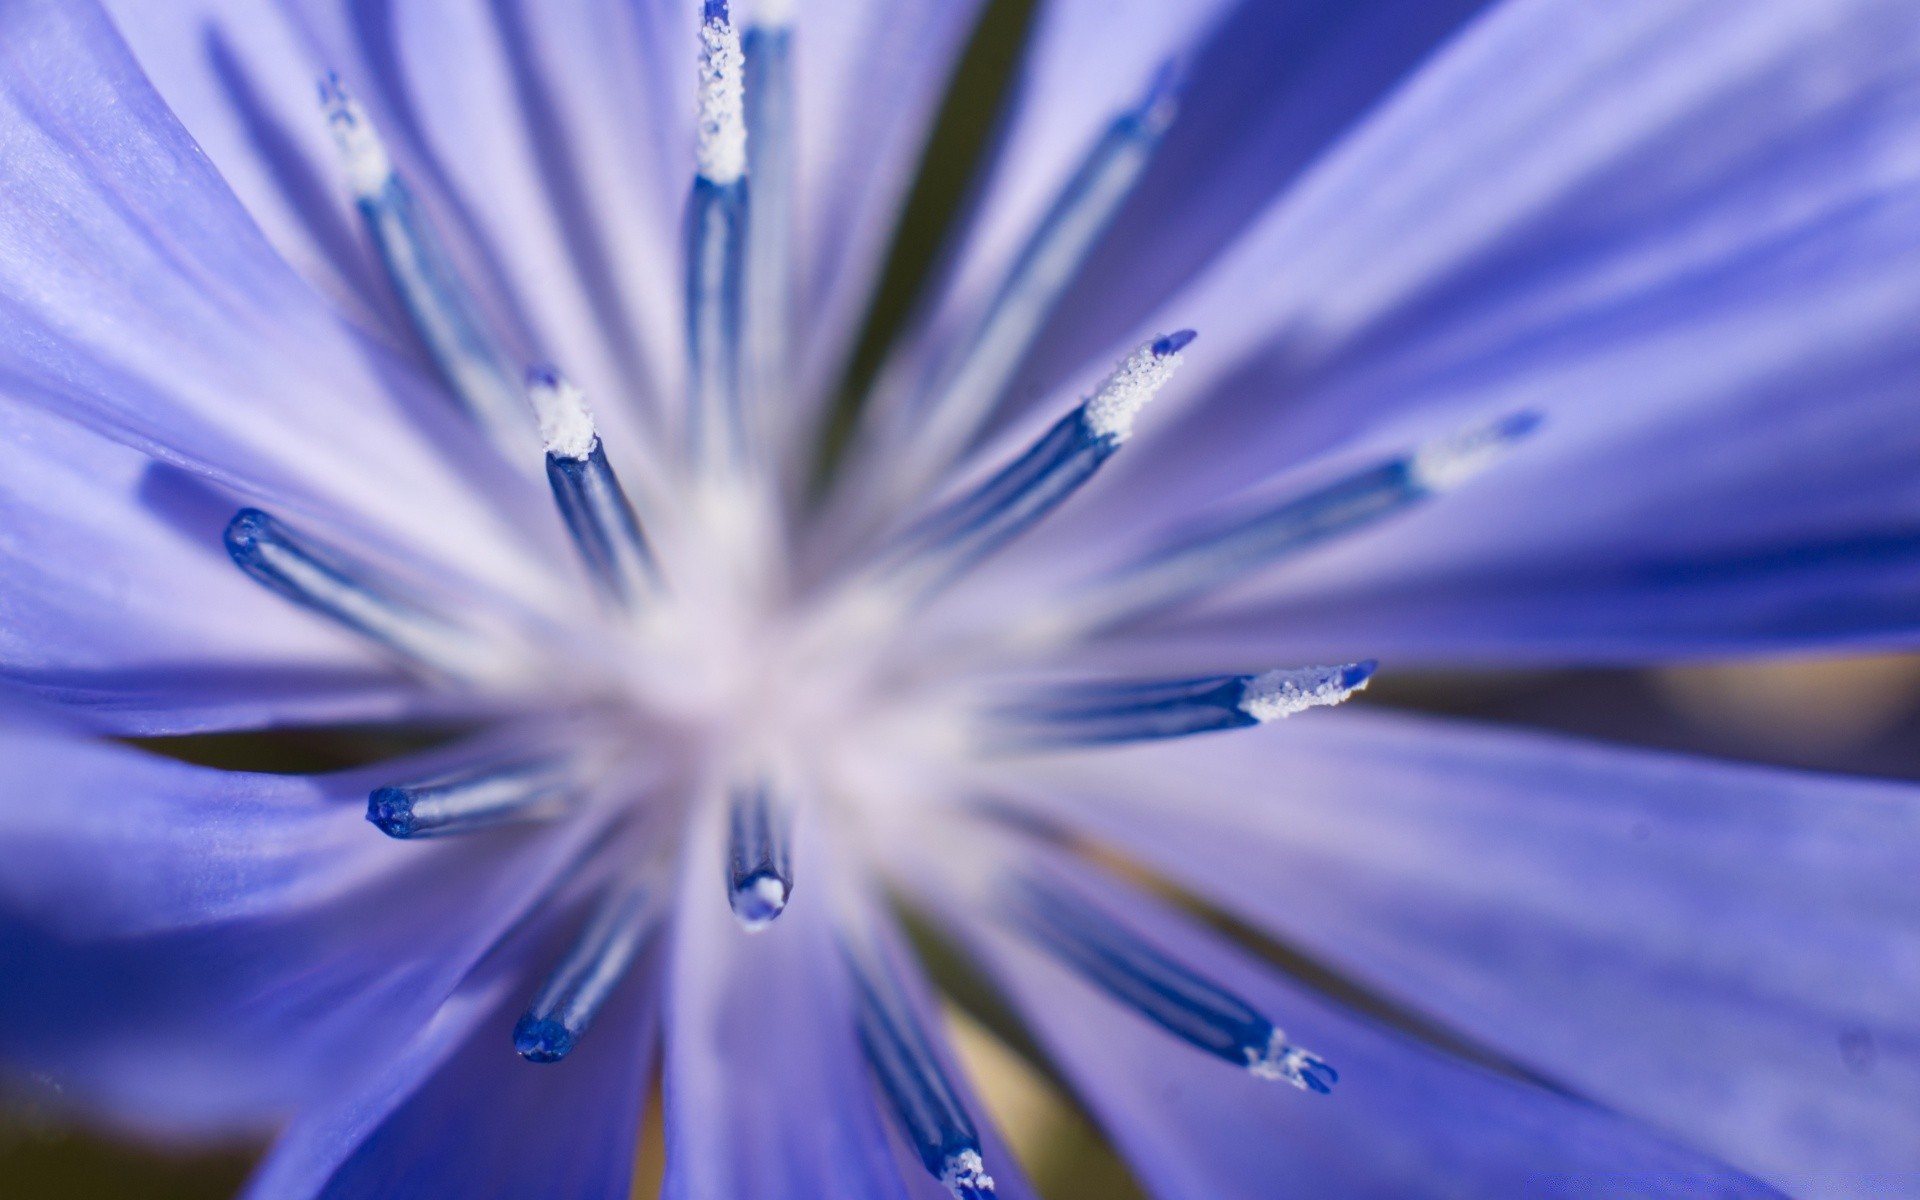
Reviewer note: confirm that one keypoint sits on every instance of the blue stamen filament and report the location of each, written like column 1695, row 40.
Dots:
column 902, row 1058
column 605, row 529
column 1118, row 961
column 438, row 302
column 1101, row 713
column 954, row 539
column 578, row 988
column 952, row 413
column 1205, row 560
column 476, row 799
column 759, row 855
column 326, row 580
column 767, row 300
column 716, row 234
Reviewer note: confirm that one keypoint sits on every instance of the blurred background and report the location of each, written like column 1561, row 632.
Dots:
column 1857, row 715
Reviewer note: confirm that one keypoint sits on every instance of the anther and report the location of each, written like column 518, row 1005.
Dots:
column 439, row 304
column 353, row 594
column 716, row 249
column 1099, row 713
column 901, row 1055
column 767, row 50
column 1209, row 559
column 574, row 994
column 759, row 855
column 475, row 799
column 969, row 390
column 954, row 539
column 605, row 529
column 1117, row 960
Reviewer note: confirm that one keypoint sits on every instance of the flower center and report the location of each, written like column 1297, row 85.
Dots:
column 712, row 678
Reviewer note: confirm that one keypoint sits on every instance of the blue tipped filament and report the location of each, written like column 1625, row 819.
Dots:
column 473, row 800
column 716, row 234
column 1099, row 713
column 605, row 529
column 902, row 1058
column 716, row 224
column 770, row 144
column 953, row 540
column 1204, row 560
column 759, row 856
column 439, row 304
column 327, row 581
column 574, row 994
column 1192, row 1008
column 970, row 389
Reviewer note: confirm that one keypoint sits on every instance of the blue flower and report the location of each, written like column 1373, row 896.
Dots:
column 1538, row 331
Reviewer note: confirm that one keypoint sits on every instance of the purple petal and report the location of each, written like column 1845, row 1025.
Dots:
column 141, row 300
column 1403, row 1120
column 1727, row 953
column 457, row 1113
column 189, row 949
column 1269, row 88
column 1009, row 1181
column 1688, row 243
column 123, row 608
column 870, row 78
column 767, row 1093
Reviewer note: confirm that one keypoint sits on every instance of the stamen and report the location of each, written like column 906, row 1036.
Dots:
column 441, row 307
column 759, row 856
column 720, row 148
column 595, row 507
column 1206, row 560
column 331, row 583
column 1093, row 714
column 953, row 540
column 580, row 985
column 767, row 47
column 951, row 415
column 476, row 799
column 902, row 1057
column 716, row 237
column 1192, row 1008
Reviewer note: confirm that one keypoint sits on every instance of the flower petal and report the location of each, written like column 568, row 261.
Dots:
column 124, row 610
column 870, row 76
column 1402, row 1120
column 767, row 1093
column 1725, row 952
column 189, row 949
column 1685, row 235
column 1009, row 1180
column 141, row 300
column 1268, row 89
column 456, row 1113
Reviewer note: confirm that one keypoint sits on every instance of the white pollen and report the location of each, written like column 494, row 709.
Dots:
column 1281, row 1063
column 720, row 147
column 566, row 425
column 767, row 899
column 966, row 1169
column 1447, row 462
column 365, row 157
column 1118, row 400
column 1282, row 693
